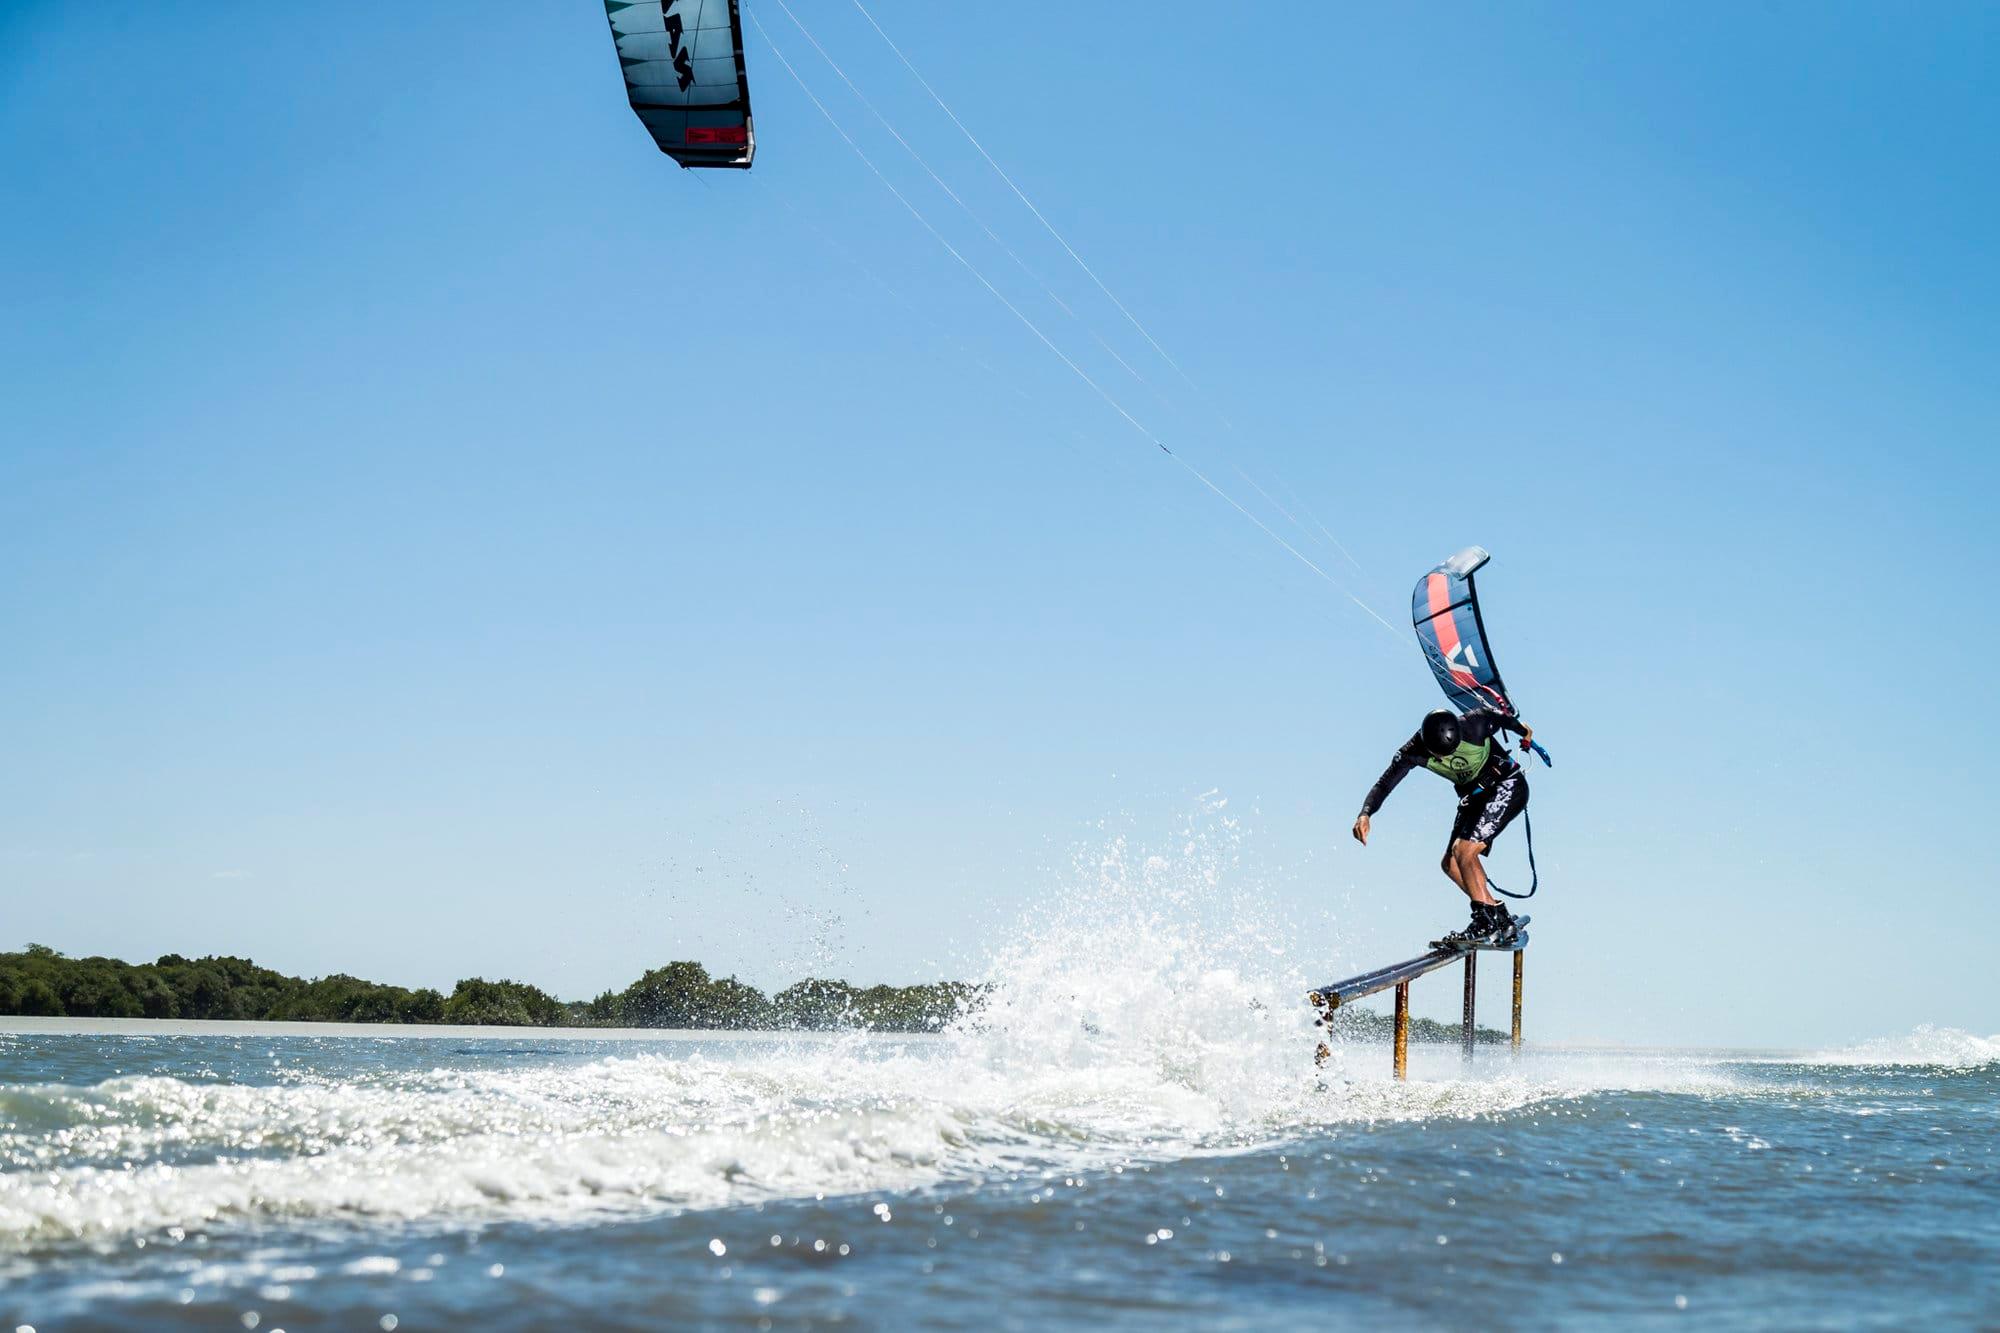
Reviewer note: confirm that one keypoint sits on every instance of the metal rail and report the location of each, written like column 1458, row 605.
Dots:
column 1398, row 976
column 1332, row 996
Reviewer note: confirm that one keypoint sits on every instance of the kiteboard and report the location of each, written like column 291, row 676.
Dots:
column 1515, row 945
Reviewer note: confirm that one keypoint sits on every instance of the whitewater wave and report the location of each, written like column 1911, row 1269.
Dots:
column 649, row 1133
column 1147, row 1011
column 1926, row 1044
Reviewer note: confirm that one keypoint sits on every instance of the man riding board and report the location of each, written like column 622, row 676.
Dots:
column 1492, row 790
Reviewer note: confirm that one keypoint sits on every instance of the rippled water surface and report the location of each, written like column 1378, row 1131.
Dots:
column 1130, row 1132
column 1014, row 1174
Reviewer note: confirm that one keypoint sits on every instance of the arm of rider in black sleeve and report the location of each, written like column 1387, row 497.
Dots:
column 1405, row 762
column 1497, row 719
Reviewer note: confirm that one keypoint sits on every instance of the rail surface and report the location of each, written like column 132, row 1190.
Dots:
column 1330, row 997
column 1334, row 994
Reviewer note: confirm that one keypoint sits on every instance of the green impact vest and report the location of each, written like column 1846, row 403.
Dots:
column 1463, row 765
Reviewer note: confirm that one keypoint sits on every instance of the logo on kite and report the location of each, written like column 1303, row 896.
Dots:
column 1445, row 611
column 683, row 64
column 685, row 77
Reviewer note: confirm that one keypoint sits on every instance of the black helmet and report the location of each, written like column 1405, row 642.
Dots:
column 1439, row 732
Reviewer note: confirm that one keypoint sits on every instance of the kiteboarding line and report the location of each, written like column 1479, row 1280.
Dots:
column 951, row 249
column 1202, row 477
column 1044, row 338
column 967, row 208
column 1027, row 202
column 1338, row 545
column 1109, row 295
column 848, row 256
column 915, row 156
column 895, row 294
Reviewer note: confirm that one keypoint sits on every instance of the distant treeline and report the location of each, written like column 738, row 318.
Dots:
column 1367, row 1025
column 41, row 981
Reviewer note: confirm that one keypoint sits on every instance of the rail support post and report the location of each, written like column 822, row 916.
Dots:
column 1520, row 960
column 1402, row 1030
column 1471, row 990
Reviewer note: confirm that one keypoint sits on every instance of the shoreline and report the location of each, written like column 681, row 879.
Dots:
column 22, row 1025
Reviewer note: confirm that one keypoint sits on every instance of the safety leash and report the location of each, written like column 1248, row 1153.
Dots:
column 1528, row 825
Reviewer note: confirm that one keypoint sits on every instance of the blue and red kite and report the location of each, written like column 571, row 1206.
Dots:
column 1445, row 610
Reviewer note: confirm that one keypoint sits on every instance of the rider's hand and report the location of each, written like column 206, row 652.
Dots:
column 1527, row 736
column 1361, row 830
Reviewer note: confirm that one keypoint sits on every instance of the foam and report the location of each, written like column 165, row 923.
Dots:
column 1926, row 1044
column 1146, row 1011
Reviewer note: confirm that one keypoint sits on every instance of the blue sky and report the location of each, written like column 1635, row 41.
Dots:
column 442, row 537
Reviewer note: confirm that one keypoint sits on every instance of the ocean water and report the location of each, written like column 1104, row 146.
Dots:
column 501, row 1183
column 1131, row 1133
column 288, row 1182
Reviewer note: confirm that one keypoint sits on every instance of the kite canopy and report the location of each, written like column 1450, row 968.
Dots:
column 1445, row 610
column 683, row 62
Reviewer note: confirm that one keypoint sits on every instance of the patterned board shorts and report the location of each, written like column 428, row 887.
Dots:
column 1485, row 812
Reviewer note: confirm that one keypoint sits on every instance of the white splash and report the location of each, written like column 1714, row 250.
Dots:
column 1925, row 1044
column 1148, row 1010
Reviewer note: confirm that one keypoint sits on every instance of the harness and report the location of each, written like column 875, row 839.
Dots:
column 1464, row 764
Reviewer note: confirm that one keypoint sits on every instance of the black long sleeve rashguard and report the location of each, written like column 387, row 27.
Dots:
column 1476, row 727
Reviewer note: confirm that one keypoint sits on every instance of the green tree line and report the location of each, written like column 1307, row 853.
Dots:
column 41, row 981
column 1351, row 1024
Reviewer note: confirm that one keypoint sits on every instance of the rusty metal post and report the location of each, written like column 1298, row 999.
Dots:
column 1520, row 958
column 1402, row 1030
column 1471, row 989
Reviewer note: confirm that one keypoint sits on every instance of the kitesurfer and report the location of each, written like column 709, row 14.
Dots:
column 1492, row 790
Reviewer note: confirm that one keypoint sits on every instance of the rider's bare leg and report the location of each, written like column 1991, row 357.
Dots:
column 1467, row 871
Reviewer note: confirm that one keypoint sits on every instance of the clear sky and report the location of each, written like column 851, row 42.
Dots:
column 439, row 536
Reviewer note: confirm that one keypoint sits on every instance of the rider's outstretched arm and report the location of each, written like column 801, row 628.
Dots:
column 1406, row 761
